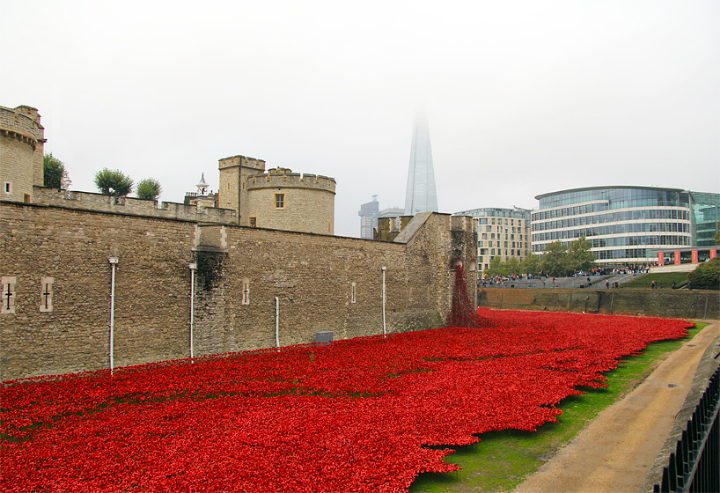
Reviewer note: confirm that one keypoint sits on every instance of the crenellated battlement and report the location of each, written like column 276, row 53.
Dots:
column 242, row 161
column 22, row 123
column 285, row 178
column 132, row 206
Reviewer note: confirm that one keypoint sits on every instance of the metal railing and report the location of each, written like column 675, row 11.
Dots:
column 695, row 465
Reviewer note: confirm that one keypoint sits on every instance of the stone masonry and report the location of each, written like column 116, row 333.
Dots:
column 21, row 153
column 54, row 264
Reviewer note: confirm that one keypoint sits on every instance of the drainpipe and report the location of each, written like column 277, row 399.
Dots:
column 277, row 322
column 192, row 310
column 383, row 300
column 113, row 263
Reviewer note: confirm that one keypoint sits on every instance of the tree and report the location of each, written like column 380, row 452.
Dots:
column 113, row 182
column 717, row 232
column 512, row 266
column 706, row 275
column 554, row 259
column 579, row 256
column 494, row 269
column 54, row 173
column 531, row 264
column 149, row 189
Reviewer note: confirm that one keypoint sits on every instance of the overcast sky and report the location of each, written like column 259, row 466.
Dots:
column 523, row 97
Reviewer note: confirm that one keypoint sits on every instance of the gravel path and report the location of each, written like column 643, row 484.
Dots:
column 615, row 452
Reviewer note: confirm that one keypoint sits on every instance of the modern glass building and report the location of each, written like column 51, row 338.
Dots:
column 420, row 195
column 624, row 223
column 501, row 232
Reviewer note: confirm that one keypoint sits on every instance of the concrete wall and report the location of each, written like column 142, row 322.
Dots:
column 696, row 304
column 240, row 272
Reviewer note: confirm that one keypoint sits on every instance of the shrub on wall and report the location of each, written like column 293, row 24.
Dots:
column 706, row 275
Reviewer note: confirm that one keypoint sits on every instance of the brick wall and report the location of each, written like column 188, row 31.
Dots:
column 311, row 275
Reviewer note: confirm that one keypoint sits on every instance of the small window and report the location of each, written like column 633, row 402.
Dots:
column 246, row 291
column 7, row 304
column 8, row 187
column 352, row 293
column 253, row 222
column 46, row 294
column 279, row 200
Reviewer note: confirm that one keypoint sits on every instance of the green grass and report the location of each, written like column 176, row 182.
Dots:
column 664, row 280
column 504, row 458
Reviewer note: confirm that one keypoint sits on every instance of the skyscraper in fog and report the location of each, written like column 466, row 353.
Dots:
column 421, row 195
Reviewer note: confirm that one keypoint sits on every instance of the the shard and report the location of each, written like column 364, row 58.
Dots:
column 421, row 195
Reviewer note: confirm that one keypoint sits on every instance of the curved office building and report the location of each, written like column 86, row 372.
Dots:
column 623, row 223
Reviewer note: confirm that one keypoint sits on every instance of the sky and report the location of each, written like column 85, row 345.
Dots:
column 523, row 97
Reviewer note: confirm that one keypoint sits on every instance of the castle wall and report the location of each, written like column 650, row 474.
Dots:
column 130, row 205
column 308, row 201
column 240, row 272
column 696, row 304
column 21, row 153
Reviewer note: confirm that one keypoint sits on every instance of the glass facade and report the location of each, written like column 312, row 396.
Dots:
column 421, row 195
column 624, row 223
column 705, row 210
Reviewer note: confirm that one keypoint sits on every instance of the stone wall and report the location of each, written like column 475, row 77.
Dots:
column 321, row 283
column 131, row 205
column 21, row 153
column 304, row 210
column 696, row 304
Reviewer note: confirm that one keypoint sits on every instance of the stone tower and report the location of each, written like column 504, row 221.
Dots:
column 278, row 199
column 281, row 199
column 22, row 140
column 234, row 173
column 421, row 195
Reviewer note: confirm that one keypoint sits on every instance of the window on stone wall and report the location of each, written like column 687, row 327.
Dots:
column 8, row 295
column 352, row 293
column 8, row 187
column 246, row 291
column 279, row 200
column 46, row 294
column 253, row 222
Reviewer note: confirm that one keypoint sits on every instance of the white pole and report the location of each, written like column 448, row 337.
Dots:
column 277, row 321
column 383, row 301
column 113, row 262
column 192, row 309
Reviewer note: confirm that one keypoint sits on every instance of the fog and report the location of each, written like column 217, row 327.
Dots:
column 522, row 97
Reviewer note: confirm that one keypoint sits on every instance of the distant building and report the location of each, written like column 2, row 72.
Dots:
column 501, row 232
column 201, row 198
column 625, row 223
column 421, row 195
column 370, row 213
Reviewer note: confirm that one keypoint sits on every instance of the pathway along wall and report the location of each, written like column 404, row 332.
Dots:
column 55, row 267
column 697, row 304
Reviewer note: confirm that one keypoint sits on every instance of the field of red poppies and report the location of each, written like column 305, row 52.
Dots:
column 354, row 415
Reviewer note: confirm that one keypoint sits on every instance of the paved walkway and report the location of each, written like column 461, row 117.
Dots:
column 615, row 452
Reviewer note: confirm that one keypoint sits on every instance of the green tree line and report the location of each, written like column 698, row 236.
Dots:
column 557, row 260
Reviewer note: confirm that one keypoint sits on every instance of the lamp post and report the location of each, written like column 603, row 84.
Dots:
column 383, row 299
column 113, row 263
column 193, row 268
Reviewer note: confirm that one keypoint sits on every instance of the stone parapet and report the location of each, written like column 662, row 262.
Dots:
column 130, row 205
column 285, row 178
